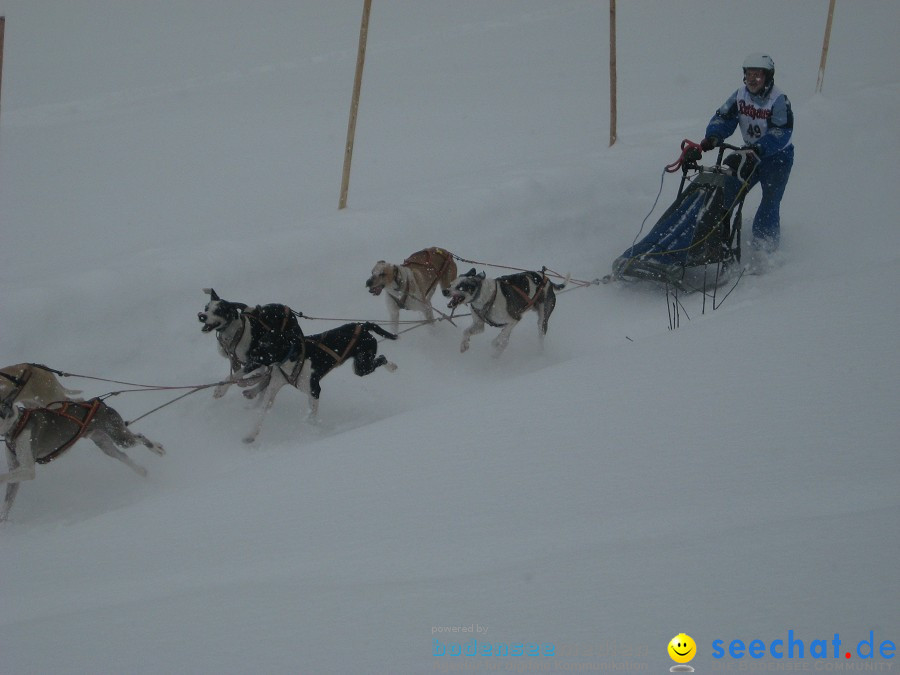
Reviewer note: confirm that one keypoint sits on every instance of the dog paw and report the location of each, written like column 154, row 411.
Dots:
column 249, row 439
column 463, row 347
column 391, row 367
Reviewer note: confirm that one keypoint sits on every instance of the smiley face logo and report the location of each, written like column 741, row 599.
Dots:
column 682, row 648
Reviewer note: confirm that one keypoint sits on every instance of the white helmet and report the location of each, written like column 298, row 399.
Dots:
column 763, row 61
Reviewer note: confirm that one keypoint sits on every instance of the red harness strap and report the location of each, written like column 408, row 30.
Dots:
column 429, row 265
column 61, row 409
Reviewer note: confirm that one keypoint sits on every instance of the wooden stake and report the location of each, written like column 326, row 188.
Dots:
column 825, row 47
column 354, row 104
column 612, row 71
column 2, row 31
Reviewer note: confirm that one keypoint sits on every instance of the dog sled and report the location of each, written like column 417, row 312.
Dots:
column 696, row 243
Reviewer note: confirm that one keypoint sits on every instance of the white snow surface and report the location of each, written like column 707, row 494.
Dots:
column 734, row 478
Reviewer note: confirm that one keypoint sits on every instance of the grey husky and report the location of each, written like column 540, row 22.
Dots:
column 40, row 435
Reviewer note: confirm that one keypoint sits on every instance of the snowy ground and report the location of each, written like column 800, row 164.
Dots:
column 735, row 478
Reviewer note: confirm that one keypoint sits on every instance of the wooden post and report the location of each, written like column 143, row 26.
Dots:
column 612, row 72
column 2, row 31
column 825, row 47
column 354, row 103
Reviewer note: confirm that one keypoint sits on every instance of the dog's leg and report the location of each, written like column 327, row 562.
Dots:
column 393, row 312
column 105, row 442
column 11, row 490
column 20, row 460
column 109, row 423
column 128, row 439
column 264, row 375
column 428, row 311
column 276, row 382
column 254, row 391
column 388, row 365
column 220, row 389
column 313, row 403
column 364, row 364
column 154, row 447
column 545, row 309
column 314, row 390
column 305, row 384
column 502, row 338
column 476, row 328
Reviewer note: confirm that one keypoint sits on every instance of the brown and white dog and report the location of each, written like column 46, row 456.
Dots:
column 32, row 385
column 501, row 302
column 40, row 435
column 411, row 285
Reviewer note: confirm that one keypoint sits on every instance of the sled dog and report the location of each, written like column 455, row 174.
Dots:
column 501, row 302
column 294, row 359
column 40, row 435
column 411, row 284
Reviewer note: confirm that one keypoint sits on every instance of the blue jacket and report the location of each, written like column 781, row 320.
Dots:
column 766, row 120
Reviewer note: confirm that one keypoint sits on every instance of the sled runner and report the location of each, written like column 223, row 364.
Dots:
column 697, row 241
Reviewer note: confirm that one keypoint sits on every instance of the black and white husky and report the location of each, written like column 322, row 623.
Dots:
column 501, row 302
column 267, row 350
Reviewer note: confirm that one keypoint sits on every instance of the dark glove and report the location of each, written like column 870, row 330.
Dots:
column 709, row 143
column 693, row 154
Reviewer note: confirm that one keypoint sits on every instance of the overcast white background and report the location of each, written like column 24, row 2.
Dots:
column 735, row 478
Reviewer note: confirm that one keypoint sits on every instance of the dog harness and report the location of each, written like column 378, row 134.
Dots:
column 339, row 359
column 485, row 312
column 230, row 347
column 404, row 290
column 79, row 412
column 428, row 265
column 515, row 313
column 255, row 314
column 19, row 383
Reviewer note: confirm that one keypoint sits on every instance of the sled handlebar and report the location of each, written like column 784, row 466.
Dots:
column 688, row 159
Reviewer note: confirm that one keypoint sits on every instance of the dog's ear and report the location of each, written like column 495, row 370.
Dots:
column 482, row 275
column 470, row 273
column 211, row 293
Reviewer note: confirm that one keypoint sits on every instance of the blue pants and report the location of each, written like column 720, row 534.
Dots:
column 772, row 173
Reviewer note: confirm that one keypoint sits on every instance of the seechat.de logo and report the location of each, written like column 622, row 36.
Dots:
column 797, row 648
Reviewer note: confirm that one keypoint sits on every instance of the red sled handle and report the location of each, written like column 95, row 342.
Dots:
column 685, row 146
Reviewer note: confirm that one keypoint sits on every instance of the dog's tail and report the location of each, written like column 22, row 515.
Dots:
column 561, row 286
column 375, row 328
